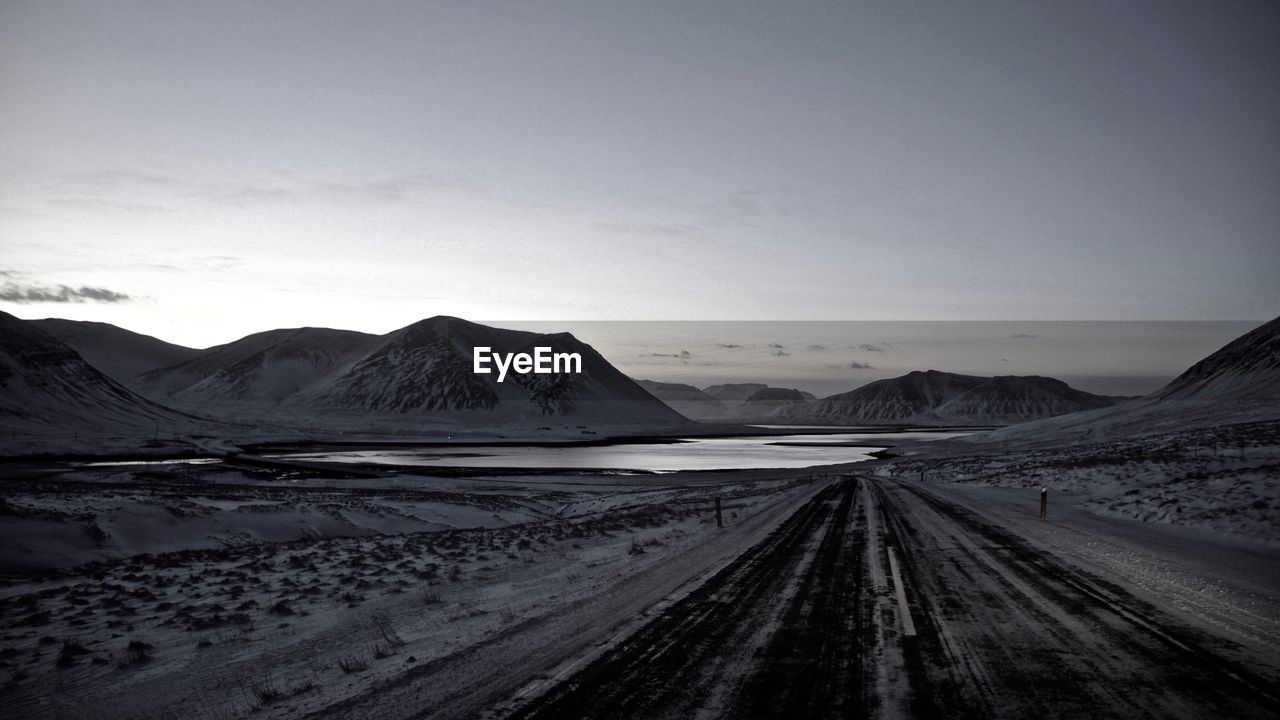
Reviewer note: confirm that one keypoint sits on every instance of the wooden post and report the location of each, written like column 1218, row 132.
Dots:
column 719, row 518
column 1044, row 503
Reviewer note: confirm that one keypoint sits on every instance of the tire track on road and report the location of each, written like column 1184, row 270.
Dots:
column 657, row 671
column 1012, row 630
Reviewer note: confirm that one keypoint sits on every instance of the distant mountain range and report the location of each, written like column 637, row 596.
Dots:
column 685, row 399
column 725, row 403
column 66, row 378
column 419, row 377
column 933, row 397
column 928, row 397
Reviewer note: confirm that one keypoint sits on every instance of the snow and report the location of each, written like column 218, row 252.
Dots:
column 225, row 617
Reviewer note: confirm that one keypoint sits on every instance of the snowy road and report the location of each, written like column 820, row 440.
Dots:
column 807, row 623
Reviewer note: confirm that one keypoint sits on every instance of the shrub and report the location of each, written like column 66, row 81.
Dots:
column 353, row 665
column 71, row 649
column 137, row 652
column 265, row 690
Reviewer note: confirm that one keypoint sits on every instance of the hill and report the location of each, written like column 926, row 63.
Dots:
column 54, row 400
column 261, row 369
column 685, row 399
column 119, row 354
column 421, row 373
column 1237, row 384
column 933, row 397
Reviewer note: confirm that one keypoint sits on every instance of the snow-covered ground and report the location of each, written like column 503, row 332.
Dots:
column 219, row 594
column 1223, row 479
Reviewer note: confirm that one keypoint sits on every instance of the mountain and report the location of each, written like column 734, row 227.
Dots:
column 427, row 368
column 768, row 401
column 51, row 395
column 932, row 396
column 260, row 369
column 685, row 399
column 1246, row 370
column 418, row 373
column 734, row 393
column 1239, row 383
column 754, row 401
column 119, row 354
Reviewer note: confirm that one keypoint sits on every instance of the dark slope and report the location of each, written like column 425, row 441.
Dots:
column 427, row 367
column 50, row 392
column 1240, row 383
column 1249, row 366
column 933, row 396
column 244, row 369
column 119, row 354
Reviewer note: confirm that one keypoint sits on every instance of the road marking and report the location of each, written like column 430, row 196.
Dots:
column 908, row 625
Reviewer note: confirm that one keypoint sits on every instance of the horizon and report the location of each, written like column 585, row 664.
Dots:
column 1104, row 357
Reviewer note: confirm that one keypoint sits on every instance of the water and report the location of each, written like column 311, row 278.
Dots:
column 732, row 453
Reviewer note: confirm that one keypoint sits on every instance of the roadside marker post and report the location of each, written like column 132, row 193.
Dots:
column 719, row 518
column 1044, row 503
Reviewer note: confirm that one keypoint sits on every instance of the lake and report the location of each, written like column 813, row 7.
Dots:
column 725, row 453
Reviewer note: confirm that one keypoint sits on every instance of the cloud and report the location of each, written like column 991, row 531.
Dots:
column 660, row 229
column 199, row 263
column 776, row 346
column 855, row 365
column 1023, row 336
column 135, row 192
column 15, row 293
column 871, row 348
column 682, row 355
column 817, row 347
column 95, row 203
column 728, row 346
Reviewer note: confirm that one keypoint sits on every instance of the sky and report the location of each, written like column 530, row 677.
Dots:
column 825, row 358
column 200, row 171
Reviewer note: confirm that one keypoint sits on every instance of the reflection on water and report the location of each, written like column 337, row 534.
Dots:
column 156, row 461
column 734, row 453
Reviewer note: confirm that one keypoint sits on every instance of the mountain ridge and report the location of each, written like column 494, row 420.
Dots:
column 931, row 396
column 52, row 394
column 118, row 353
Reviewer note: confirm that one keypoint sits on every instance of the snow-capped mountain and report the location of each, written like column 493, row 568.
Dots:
column 262, row 369
column 119, row 354
column 425, row 369
column 233, row 365
column 932, row 396
column 49, row 392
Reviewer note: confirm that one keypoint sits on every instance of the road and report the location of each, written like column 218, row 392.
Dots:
column 809, row 622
